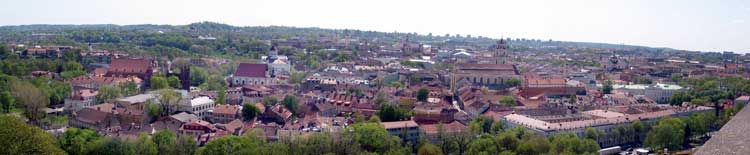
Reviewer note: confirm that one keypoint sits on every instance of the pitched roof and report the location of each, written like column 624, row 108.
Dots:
column 184, row 117
column 251, row 70
column 129, row 66
column 226, row 109
column 90, row 115
column 452, row 127
column 399, row 124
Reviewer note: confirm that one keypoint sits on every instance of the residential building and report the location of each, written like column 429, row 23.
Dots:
column 407, row 130
column 224, row 113
column 80, row 99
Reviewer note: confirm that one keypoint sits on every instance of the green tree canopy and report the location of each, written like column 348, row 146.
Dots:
column 429, row 149
column 667, row 133
column 507, row 101
column 159, row 82
column 423, row 94
column 17, row 137
column 78, row 141
column 249, row 111
column 291, row 103
column 174, row 82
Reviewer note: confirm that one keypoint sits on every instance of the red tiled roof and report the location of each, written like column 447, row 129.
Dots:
column 537, row 81
column 226, row 109
column 251, row 70
column 129, row 66
column 452, row 127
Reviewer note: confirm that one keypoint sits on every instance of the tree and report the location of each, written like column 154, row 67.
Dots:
column 568, row 143
column 174, row 82
column 18, row 137
column 534, row 146
column 72, row 74
column 374, row 119
column 107, row 93
column 78, row 141
column 113, row 146
column 483, row 145
column 146, row 145
column 592, row 133
column 221, row 96
column 249, row 111
column 513, row 82
column 168, row 98
column 607, row 87
column 159, row 82
column 72, row 66
column 165, row 141
column 291, row 103
column 667, row 133
column 372, row 136
column 380, row 99
column 32, row 99
column 186, row 145
column 389, row 113
column 482, row 124
column 129, row 88
column 422, row 94
column 269, row 101
column 154, row 110
column 229, row 145
column 429, row 149
column 507, row 101
column 296, row 77
column 507, row 141
column 7, row 102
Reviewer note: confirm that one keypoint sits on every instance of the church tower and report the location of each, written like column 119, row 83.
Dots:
column 501, row 52
column 273, row 54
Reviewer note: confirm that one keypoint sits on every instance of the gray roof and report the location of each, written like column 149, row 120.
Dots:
column 184, row 117
column 137, row 98
column 732, row 138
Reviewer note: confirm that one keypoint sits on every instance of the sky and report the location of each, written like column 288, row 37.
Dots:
column 701, row 25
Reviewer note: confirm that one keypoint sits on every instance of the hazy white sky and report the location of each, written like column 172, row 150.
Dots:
column 706, row 25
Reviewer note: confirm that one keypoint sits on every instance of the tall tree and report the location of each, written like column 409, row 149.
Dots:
column 159, row 82
column 290, row 102
column 221, row 96
column 249, row 111
column 607, row 87
column 174, row 82
column 7, row 102
column 32, row 99
column 423, row 94
column 107, row 93
column 168, row 98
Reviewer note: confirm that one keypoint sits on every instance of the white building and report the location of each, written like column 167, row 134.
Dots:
column 199, row 106
column 658, row 92
column 80, row 99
